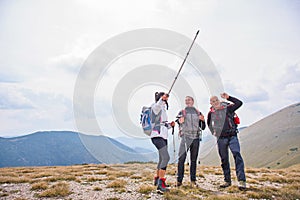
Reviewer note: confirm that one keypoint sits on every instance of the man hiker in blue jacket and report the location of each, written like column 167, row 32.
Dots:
column 221, row 123
column 191, row 121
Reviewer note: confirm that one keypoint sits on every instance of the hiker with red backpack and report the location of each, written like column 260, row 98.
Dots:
column 222, row 122
column 159, row 136
column 191, row 123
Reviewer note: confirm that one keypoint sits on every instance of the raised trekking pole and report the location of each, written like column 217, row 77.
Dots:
column 187, row 54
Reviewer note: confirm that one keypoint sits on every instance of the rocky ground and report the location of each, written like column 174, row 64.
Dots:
column 134, row 181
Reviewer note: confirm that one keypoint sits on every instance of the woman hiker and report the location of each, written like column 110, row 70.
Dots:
column 159, row 136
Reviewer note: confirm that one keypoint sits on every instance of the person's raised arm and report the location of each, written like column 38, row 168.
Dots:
column 236, row 102
column 156, row 108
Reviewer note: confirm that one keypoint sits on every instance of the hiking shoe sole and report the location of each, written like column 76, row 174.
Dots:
column 178, row 184
column 161, row 192
column 242, row 188
column 225, row 186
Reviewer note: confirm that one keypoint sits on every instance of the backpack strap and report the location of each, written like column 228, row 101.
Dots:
column 183, row 113
column 199, row 113
column 157, row 119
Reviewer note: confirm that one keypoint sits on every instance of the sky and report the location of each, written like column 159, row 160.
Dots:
column 255, row 46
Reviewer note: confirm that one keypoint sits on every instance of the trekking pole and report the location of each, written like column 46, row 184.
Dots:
column 186, row 150
column 200, row 139
column 174, row 151
column 183, row 62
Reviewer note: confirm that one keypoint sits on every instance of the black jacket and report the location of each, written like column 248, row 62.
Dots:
column 219, row 121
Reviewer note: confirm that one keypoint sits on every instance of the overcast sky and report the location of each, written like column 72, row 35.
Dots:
column 255, row 46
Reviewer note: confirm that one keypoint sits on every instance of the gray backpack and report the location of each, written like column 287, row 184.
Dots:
column 149, row 120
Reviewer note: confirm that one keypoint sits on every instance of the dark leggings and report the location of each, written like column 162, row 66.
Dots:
column 185, row 145
column 162, row 147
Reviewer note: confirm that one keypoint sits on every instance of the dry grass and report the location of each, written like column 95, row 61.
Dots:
column 211, row 170
column 119, row 173
column 265, row 192
column 225, row 197
column 4, row 194
column 10, row 174
column 96, row 179
column 97, row 189
column 233, row 189
column 112, row 177
column 187, row 192
column 146, row 189
column 117, row 184
column 58, row 190
column 252, row 181
column 291, row 191
column 61, row 178
column 40, row 175
column 54, row 182
column 39, row 186
column 101, row 172
column 136, row 177
column 175, row 194
column 147, row 175
column 275, row 178
column 193, row 191
column 13, row 180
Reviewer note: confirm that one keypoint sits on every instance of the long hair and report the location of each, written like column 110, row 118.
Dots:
column 158, row 95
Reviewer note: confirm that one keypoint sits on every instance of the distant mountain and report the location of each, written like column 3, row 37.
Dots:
column 108, row 150
column 139, row 144
column 271, row 142
column 64, row 148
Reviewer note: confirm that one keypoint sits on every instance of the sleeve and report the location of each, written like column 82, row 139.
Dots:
column 236, row 104
column 179, row 114
column 156, row 108
column 209, row 123
column 168, row 125
column 202, row 124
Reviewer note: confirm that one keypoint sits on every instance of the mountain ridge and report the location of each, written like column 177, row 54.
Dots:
column 270, row 142
column 48, row 148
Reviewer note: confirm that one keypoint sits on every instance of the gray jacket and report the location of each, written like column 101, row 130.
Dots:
column 191, row 125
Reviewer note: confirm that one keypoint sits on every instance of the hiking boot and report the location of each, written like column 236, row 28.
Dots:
column 161, row 186
column 242, row 185
column 194, row 184
column 225, row 185
column 178, row 184
column 156, row 180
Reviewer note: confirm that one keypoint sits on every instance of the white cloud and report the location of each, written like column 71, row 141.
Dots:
column 12, row 98
column 24, row 110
